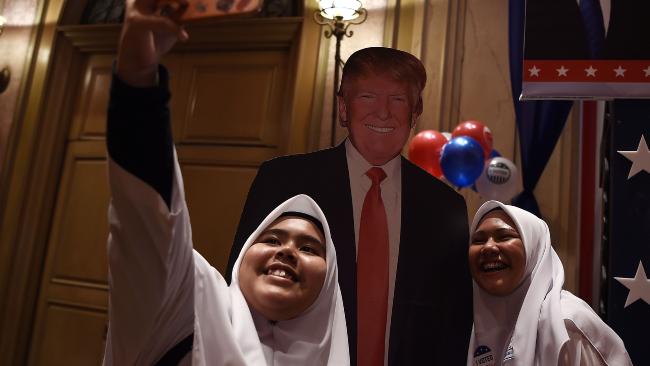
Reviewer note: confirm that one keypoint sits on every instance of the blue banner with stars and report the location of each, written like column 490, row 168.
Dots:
column 628, row 262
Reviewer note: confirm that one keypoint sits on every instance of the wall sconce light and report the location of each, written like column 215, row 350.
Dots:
column 5, row 74
column 338, row 15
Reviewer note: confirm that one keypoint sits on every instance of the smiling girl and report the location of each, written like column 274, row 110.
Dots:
column 522, row 317
column 168, row 305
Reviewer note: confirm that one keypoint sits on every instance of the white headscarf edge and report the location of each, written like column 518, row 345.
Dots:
column 334, row 343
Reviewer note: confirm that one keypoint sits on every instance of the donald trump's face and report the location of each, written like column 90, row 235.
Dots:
column 379, row 113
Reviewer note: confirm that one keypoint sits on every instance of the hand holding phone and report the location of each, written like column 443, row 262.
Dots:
column 187, row 10
column 152, row 27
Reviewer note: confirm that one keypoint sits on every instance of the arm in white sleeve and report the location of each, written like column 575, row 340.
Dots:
column 151, row 270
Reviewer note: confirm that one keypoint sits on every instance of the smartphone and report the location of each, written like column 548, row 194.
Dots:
column 183, row 11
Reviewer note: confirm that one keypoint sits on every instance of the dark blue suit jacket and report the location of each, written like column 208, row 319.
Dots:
column 432, row 306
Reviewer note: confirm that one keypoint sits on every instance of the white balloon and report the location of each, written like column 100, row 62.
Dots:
column 447, row 135
column 498, row 180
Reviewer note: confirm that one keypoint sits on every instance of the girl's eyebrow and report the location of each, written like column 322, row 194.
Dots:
column 507, row 229
column 303, row 237
column 498, row 230
column 276, row 232
column 477, row 234
column 307, row 238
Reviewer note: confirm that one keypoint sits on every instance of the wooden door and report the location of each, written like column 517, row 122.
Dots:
column 231, row 110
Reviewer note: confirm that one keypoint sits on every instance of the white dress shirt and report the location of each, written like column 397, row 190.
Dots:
column 391, row 195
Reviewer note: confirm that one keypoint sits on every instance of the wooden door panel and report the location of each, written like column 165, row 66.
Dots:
column 233, row 98
column 83, row 224
column 75, row 273
column 215, row 197
column 90, row 115
column 72, row 336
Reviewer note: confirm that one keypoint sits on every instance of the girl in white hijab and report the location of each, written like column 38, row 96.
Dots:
column 522, row 317
column 282, row 308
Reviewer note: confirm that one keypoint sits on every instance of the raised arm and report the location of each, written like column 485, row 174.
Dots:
column 146, row 37
column 149, row 247
column 138, row 130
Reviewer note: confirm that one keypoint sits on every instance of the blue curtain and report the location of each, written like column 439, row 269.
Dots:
column 539, row 123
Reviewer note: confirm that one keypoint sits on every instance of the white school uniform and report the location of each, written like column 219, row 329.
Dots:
column 161, row 290
column 539, row 323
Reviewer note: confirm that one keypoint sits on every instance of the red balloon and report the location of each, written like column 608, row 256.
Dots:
column 425, row 149
column 478, row 131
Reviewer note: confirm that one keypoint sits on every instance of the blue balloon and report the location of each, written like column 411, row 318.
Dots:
column 462, row 161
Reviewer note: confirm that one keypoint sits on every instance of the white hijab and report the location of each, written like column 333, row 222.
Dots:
column 316, row 337
column 507, row 324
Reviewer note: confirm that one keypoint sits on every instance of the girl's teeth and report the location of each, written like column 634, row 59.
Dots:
column 279, row 273
column 493, row 266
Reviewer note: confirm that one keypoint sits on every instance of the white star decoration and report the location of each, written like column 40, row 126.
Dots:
column 591, row 71
column 640, row 158
column 620, row 71
column 639, row 286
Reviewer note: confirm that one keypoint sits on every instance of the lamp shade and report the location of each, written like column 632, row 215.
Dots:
column 346, row 9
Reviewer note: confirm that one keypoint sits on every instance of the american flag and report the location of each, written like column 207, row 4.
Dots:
column 580, row 49
column 627, row 256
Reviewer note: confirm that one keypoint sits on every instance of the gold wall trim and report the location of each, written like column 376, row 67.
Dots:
column 242, row 34
column 391, row 21
column 307, row 102
column 24, row 195
column 442, row 53
column 319, row 92
column 409, row 26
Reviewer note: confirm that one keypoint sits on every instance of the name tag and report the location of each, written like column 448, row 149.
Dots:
column 483, row 356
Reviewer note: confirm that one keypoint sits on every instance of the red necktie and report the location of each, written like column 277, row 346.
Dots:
column 372, row 275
